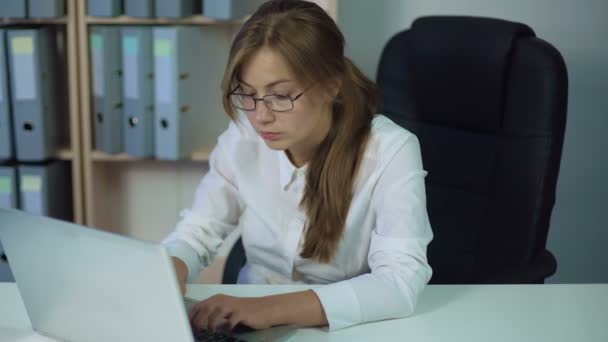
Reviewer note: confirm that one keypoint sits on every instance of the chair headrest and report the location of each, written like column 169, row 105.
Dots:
column 452, row 69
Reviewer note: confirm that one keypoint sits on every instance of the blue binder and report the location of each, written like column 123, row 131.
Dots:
column 138, row 90
column 33, row 84
column 46, row 8
column 13, row 9
column 139, row 8
column 106, row 70
column 175, row 8
column 7, row 151
column 188, row 69
column 103, row 8
column 45, row 189
column 8, row 187
column 230, row 9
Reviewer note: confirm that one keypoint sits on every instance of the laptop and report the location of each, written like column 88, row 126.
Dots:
column 83, row 284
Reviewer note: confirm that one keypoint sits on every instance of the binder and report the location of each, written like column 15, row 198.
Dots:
column 175, row 8
column 8, row 187
column 13, row 8
column 45, row 189
column 106, row 70
column 46, row 8
column 187, row 97
column 103, row 8
column 230, row 9
column 6, row 121
column 138, row 90
column 139, row 8
column 34, row 93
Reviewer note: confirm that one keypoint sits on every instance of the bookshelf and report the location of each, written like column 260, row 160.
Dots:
column 113, row 183
column 71, row 150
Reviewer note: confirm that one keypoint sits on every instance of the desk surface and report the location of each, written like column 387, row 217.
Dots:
column 445, row 313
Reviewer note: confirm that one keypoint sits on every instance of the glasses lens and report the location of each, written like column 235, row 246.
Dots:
column 279, row 103
column 244, row 102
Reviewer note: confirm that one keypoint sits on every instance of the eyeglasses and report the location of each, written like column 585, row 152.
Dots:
column 274, row 102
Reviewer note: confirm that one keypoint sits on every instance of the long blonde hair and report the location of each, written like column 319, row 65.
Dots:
column 313, row 46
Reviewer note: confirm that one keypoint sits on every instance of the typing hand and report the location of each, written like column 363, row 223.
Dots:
column 222, row 312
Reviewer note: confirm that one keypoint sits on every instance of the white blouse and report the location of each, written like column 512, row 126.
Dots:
column 380, row 267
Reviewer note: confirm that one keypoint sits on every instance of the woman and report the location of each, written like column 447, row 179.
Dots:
column 324, row 190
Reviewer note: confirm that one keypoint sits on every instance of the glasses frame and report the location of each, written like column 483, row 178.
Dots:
column 263, row 99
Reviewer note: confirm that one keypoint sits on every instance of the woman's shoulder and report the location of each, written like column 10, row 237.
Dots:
column 387, row 142
column 387, row 137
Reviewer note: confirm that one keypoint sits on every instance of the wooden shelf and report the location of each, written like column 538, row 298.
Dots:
column 200, row 155
column 192, row 20
column 33, row 21
column 65, row 153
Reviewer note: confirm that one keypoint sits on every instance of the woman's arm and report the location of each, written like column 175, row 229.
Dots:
column 397, row 252
column 214, row 213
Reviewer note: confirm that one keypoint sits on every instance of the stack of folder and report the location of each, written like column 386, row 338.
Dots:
column 144, row 8
column 32, row 124
column 218, row 9
column 32, row 8
column 41, row 189
column 156, row 89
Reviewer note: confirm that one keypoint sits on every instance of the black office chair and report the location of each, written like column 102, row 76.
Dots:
column 488, row 101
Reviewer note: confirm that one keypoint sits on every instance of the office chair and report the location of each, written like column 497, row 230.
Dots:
column 487, row 100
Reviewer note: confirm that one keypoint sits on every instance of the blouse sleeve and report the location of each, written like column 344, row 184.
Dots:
column 397, row 254
column 214, row 213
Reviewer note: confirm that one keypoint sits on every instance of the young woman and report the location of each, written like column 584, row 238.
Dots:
column 324, row 190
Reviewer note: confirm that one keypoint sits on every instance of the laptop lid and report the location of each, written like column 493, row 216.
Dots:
column 82, row 284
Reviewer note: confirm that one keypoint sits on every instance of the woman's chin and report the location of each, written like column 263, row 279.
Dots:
column 276, row 144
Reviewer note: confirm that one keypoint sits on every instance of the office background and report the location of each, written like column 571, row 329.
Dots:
column 579, row 230
column 142, row 198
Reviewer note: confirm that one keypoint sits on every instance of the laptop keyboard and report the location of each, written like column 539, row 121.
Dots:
column 205, row 335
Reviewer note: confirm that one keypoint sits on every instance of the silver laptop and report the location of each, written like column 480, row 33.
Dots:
column 82, row 284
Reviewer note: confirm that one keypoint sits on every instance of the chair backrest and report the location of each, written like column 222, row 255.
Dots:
column 487, row 100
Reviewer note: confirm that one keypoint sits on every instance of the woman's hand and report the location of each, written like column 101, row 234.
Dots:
column 222, row 312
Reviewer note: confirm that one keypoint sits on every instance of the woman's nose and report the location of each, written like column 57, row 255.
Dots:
column 263, row 113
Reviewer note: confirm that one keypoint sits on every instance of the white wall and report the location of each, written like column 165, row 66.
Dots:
column 579, row 29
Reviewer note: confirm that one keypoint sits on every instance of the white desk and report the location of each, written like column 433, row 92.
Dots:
column 466, row 313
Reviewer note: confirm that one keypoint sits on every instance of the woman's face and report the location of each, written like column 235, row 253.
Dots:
column 297, row 131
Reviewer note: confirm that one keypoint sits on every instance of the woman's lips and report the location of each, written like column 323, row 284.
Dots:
column 269, row 136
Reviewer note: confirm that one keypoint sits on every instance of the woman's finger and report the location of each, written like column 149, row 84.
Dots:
column 216, row 317
column 233, row 320
column 199, row 318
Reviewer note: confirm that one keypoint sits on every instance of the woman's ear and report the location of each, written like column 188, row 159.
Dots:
column 334, row 85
